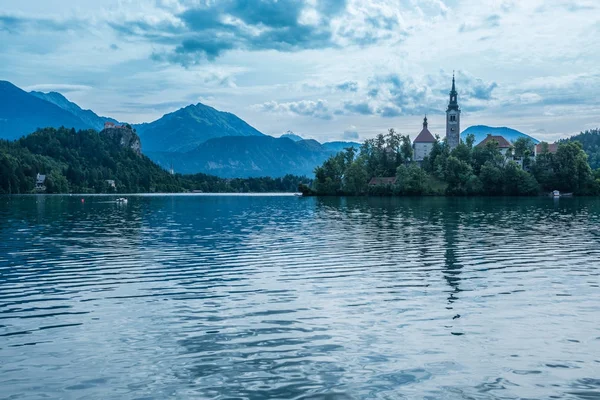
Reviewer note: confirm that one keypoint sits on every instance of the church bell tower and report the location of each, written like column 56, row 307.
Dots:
column 453, row 119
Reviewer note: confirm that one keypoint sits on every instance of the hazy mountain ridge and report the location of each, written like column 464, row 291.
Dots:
column 247, row 157
column 188, row 127
column 87, row 116
column 21, row 113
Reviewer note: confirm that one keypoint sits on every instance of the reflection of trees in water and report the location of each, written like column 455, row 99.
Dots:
column 452, row 266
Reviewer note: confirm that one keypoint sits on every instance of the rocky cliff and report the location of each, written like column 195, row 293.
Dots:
column 125, row 137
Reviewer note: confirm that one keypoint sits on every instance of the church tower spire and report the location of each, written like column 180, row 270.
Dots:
column 453, row 118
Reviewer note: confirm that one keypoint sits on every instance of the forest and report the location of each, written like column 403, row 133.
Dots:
column 85, row 161
column 467, row 170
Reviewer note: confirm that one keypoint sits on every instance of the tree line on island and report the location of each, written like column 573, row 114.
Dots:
column 466, row 170
column 90, row 162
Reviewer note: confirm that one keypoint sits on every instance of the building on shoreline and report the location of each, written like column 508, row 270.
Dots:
column 40, row 183
column 503, row 145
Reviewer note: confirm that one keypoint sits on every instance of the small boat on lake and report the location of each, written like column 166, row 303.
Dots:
column 121, row 200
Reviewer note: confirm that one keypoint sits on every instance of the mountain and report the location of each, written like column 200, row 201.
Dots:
column 292, row 135
column 22, row 113
column 87, row 116
column 340, row 146
column 187, row 128
column 481, row 131
column 249, row 156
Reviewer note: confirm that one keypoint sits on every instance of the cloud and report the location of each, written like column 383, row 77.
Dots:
column 362, row 108
column 191, row 32
column 491, row 21
column 348, row 86
column 350, row 133
column 305, row 108
column 16, row 25
column 57, row 87
column 394, row 95
column 206, row 30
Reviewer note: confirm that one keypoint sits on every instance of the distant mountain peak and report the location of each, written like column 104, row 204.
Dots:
column 185, row 129
column 89, row 117
column 22, row 113
column 291, row 135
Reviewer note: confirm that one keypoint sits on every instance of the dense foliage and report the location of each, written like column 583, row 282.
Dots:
column 84, row 162
column 590, row 140
column 466, row 170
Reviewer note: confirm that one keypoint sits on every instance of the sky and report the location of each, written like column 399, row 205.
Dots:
column 324, row 69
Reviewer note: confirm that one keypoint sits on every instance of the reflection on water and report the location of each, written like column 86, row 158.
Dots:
column 262, row 297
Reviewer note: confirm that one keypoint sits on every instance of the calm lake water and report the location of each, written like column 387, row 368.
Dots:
column 279, row 297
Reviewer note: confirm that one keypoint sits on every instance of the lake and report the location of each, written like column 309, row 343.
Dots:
column 280, row 297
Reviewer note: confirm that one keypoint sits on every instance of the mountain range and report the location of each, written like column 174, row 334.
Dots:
column 247, row 156
column 193, row 139
column 186, row 128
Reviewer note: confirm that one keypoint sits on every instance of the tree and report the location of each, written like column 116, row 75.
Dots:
column 406, row 149
column 355, row 178
column 523, row 149
column 459, row 176
column 412, row 180
column 573, row 173
column 518, row 182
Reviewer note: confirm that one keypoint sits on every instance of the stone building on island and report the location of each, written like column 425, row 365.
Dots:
column 423, row 143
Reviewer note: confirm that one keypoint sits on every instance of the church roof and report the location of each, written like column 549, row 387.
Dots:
column 424, row 137
column 552, row 147
column 502, row 143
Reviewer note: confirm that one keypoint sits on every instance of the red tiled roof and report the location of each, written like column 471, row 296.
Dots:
column 502, row 143
column 378, row 181
column 552, row 147
column 424, row 137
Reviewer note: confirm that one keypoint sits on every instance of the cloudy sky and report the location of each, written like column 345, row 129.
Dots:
column 325, row 69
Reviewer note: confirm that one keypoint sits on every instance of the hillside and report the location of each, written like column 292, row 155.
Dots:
column 187, row 128
column 22, row 113
column 481, row 131
column 89, row 117
column 85, row 162
column 590, row 140
column 248, row 157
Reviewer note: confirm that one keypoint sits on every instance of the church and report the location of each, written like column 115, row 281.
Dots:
column 423, row 143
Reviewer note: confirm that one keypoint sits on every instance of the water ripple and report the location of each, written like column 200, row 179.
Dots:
column 262, row 297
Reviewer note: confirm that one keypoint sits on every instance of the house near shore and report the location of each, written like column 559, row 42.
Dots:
column 544, row 147
column 383, row 181
column 40, row 183
column 503, row 145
